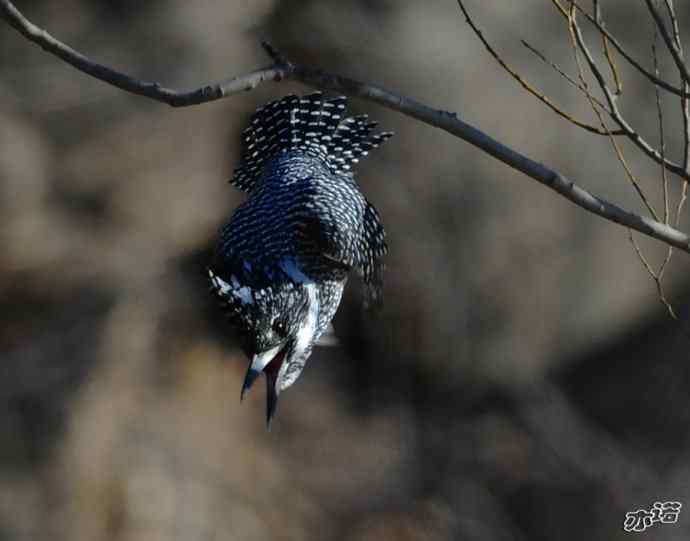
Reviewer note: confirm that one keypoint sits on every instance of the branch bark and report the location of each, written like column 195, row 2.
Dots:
column 316, row 78
column 152, row 90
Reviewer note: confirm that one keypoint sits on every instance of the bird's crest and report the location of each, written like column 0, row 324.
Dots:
column 311, row 124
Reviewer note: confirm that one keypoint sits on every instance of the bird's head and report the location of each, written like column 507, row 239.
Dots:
column 280, row 340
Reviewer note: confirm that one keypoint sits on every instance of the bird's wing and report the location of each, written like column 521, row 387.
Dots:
column 323, row 242
column 331, row 242
column 328, row 244
column 371, row 249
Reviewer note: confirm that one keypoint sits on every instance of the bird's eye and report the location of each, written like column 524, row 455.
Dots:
column 280, row 328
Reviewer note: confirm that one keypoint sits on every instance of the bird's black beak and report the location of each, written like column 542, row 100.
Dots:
column 249, row 379
column 271, row 397
column 268, row 363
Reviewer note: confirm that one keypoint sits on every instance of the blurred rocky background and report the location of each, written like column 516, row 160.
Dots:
column 522, row 382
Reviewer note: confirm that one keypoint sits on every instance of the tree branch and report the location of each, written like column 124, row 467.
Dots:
column 152, row 90
column 576, row 47
column 662, row 133
column 541, row 56
column 671, row 45
column 615, row 112
column 316, row 78
column 525, row 84
column 607, row 51
column 599, row 25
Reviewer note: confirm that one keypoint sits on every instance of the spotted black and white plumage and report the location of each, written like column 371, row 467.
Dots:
column 282, row 261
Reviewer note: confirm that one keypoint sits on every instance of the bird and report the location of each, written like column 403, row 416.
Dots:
column 281, row 262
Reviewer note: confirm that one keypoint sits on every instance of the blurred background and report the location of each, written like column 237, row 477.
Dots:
column 523, row 381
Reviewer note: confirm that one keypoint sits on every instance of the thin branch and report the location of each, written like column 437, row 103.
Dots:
column 641, row 256
column 572, row 27
column 685, row 110
column 662, row 135
column 579, row 43
column 686, row 86
column 674, row 26
column 616, row 115
column 662, row 145
column 525, row 84
column 316, row 78
column 568, row 78
column 684, row 102
column 681, row 202
column 628, row 57
column 560, row 8
column 657, row 280
column 665, row 262
column 612, row 66
column 152, row 90
column 607, row 51
column 671, row 45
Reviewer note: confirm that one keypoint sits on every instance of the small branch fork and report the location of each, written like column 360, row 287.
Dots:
column 282, row 69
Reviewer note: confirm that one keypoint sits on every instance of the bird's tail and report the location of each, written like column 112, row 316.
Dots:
column 310, row 123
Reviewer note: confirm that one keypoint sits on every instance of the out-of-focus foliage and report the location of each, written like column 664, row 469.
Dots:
column 522, row 381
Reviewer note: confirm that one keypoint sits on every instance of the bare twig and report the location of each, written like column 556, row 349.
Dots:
column 152, row 90
column 316, row 78
column 616, row 115
column 659, row 276
column 600, row 26
column 607, row 51
column 568, row 78
column 662, row 137
column 524, row 83
column 576, row 47
column 671, row 45
column 579, row 46
column 657, row 279
column 641, row 256
column 665, row 262
column 674, row 26
column 560, row 8
column 681, row 202
column 685, row 109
